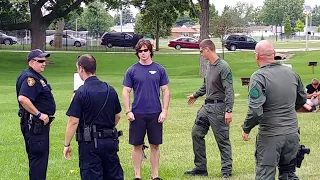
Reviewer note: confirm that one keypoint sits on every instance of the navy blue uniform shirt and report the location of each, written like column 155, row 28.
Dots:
column 89, row 99
column 35, row 87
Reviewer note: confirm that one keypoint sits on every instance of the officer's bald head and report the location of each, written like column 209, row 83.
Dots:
column 88, row 63
column 265, row 51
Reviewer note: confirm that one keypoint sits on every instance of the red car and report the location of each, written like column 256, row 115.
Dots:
column 184, row 42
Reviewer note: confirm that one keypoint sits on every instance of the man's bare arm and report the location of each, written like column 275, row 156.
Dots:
column 165, row 97
column 126, row 98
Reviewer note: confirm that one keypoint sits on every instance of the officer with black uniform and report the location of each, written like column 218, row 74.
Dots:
column 93, row 114
column 36, row 110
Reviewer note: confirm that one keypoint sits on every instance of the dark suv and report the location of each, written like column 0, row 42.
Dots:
column 119, row 39
column 233, row 42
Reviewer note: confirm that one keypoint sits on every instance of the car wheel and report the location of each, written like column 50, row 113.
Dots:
column 109, row 45
column 51, row 43
column 7, row 42
column 77, row 44
column 233, row 47
column 178, row 47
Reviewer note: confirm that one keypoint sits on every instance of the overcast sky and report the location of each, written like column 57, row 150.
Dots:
column 221, row 3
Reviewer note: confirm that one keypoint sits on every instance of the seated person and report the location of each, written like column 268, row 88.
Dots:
column 313, row 92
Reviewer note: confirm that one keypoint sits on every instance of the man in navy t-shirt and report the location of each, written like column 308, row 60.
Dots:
column 146, row 78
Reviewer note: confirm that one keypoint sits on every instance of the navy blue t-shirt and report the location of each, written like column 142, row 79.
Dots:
column 146, row 81
column 89, row 99
column 35, row 87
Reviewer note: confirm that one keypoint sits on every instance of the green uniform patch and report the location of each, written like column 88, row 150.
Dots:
column 254, row 93
column 229, row 76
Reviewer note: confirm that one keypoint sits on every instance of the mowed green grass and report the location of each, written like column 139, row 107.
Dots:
column 176, row 151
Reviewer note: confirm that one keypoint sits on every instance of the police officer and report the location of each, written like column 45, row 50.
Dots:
column 216, row 112
column 36, row 107
column 93, row 114
column 276, row 92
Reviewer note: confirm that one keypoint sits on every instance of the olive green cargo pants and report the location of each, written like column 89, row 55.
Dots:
column 276, row 151
column 212, row 115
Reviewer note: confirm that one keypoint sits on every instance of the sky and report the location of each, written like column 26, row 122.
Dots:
column 219, row 4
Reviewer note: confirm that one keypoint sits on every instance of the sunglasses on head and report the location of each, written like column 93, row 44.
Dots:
column 40, row 61
column 143, row 50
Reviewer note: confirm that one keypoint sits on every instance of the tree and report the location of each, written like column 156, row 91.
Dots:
column 39, row 14
column 299, row 26
column 274, row 11
column 287, row 27
column 127, row 17
column 147, row 28
column 316, row 16
column 204, row 15
column 161, row 12
column 96, row 19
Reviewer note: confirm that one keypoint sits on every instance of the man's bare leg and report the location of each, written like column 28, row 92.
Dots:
column 307, row 107
column 137, row 160
column 154, row 159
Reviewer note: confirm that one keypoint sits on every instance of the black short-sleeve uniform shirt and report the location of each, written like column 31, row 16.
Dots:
column 34, row 86
column 89, row 99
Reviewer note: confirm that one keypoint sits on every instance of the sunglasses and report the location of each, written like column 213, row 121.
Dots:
column 143, row 50
column 40, row 61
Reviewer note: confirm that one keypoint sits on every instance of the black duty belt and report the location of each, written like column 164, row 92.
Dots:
column 103, row 134
column 209, row 101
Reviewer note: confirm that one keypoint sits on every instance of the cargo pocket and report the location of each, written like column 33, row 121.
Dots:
column 38, row 145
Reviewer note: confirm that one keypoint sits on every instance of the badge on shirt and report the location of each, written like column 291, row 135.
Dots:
column 152, row 72
column 229, row 76
column 43, row 83
column 30, row 81
column 254, row 93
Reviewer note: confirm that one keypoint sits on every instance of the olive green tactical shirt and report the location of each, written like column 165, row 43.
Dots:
column 218, row 84
column 276, row 92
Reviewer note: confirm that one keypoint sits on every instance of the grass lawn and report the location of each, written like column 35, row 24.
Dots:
column 176, row 152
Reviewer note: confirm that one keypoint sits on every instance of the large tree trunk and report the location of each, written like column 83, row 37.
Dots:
column 157, row 34
column 38, row 34
column 204, row 31
column 57, row 42
column 38, row 28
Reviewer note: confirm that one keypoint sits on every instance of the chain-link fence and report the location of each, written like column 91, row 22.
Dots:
column 71, row 41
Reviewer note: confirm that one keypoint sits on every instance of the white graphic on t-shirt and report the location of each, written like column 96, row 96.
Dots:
column 152, row 72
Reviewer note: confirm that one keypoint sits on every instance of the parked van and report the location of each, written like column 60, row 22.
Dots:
column 119, row 39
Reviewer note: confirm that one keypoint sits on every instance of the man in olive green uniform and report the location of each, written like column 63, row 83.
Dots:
column 276, row 92
column 215, row 112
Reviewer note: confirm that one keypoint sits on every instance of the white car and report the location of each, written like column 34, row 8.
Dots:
column 67, row 40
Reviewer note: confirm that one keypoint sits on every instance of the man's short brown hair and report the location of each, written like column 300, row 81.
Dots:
column 143, row 42
column 207, row 43
column 88, row 63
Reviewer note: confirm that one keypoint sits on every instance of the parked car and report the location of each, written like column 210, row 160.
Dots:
column 67, row 40
column 184, row 42
column 7, row 40
column 119, row 39
column 233, row 42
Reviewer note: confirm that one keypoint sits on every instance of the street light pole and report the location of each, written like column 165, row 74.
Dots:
column 307, row 32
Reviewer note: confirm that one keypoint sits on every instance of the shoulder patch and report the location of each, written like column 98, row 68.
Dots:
column 254, row 93
column 30, row 81
column 229, row 76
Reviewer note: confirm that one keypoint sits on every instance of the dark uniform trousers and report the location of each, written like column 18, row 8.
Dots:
column 273, row 151
column 101, row 163
column 37, row 147
column 212, row 115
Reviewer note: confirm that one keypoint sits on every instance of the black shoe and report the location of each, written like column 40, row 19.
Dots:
column 196, row 172
column 226, row 176
column 157, row 178
column 137, row 179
